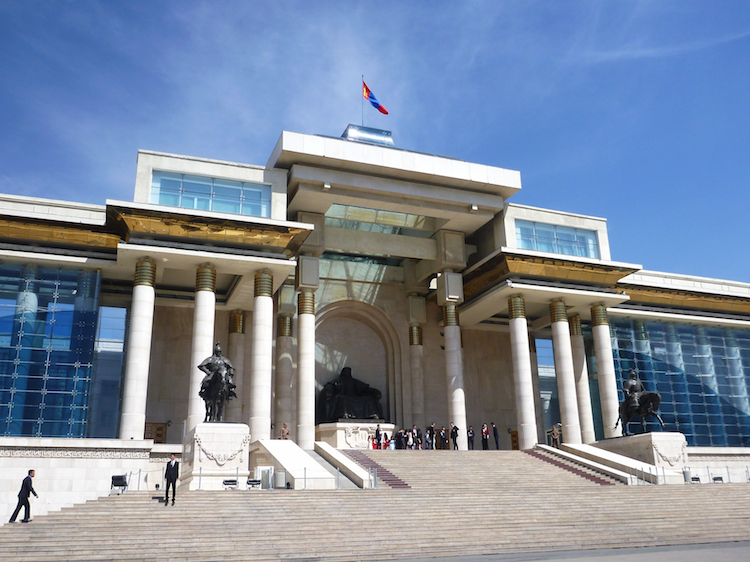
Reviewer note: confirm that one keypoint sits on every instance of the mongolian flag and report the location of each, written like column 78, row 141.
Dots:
column 368, row 95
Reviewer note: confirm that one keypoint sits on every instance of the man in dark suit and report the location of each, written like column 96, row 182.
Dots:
column 454, row 436
column 172, row 473
column 470, row 437
column 23, row 499
column 430, row 432
column 497, row 438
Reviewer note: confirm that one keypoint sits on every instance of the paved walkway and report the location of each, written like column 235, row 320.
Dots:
column 716, row 552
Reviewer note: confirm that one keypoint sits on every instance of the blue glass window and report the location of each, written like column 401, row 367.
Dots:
column 556, row 239
column 47, row 333
column 210, row 194
column 699, row 372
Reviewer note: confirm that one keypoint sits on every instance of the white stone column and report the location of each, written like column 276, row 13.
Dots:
column 523, row 384
column 248, row 369
column 204, row 315
column 581, row 371
column 236, row 355
column 261, row 374
column 541, row 434
column 138, row 358
column 566, row 382
column 416, row 360
column 454, row 371
column 284, row 397
column 306, row 369
column 605, row 364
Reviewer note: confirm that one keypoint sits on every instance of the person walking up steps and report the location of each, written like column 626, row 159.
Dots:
column 23, row 499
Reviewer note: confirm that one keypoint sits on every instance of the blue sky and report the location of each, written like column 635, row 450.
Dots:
column 637, row 111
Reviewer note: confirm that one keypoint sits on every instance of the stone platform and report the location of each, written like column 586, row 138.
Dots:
column 352, row 434
column 661, row 449
column 214, row 452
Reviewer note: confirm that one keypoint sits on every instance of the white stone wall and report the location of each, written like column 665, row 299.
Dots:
column 73, row 471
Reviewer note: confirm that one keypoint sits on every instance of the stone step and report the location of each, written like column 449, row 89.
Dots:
column 502, row 503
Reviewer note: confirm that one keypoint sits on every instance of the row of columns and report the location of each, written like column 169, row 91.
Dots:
column 571, row 372
column 256, row 391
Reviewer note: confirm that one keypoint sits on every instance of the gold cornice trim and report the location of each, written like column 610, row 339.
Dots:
column 56, row 233
column 557, row 268
column 173, row 225
column 685, row 299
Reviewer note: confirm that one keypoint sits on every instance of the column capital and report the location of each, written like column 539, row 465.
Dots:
column 516, row 307
column 264, row 284
column 145, row 272
column 237, row 322
column 599, row 315
column 283, row 326
column 205, row 278
column 557, row 311
column 415, row 334
column 306, row 302
column 575, row 325
column 450, row 315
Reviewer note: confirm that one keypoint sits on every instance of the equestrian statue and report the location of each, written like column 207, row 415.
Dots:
column 217, row 387
column 638, row 403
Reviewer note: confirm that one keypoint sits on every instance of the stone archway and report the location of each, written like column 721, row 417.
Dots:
column 357, row 319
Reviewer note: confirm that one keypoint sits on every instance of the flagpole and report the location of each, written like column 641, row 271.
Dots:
column 362, row 99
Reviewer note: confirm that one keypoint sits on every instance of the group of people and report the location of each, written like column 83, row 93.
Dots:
column 432, row 438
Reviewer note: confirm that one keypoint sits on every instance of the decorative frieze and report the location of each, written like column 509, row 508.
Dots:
column 74, row 453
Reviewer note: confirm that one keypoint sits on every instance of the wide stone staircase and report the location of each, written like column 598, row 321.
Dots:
column 458, row 503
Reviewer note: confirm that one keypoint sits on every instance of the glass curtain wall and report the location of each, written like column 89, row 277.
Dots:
column 48, row 320
column 702, row 374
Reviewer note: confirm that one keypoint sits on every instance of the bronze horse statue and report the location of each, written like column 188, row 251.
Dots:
column 217, row 387
column 638, row 403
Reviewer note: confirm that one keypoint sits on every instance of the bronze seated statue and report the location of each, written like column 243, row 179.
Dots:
column 348, row 398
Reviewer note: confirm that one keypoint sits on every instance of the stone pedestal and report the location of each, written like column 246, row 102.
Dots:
column 661, row 449
column 214, row 452
column 351, row 435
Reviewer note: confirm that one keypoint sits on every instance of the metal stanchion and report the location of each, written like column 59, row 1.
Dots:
column 200, row 474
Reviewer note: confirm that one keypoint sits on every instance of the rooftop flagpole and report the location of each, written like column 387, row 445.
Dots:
column 362, row 99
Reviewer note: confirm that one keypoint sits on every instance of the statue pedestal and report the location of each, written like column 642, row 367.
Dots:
column 214, row 452
column 661, row 449
column 351, row 434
